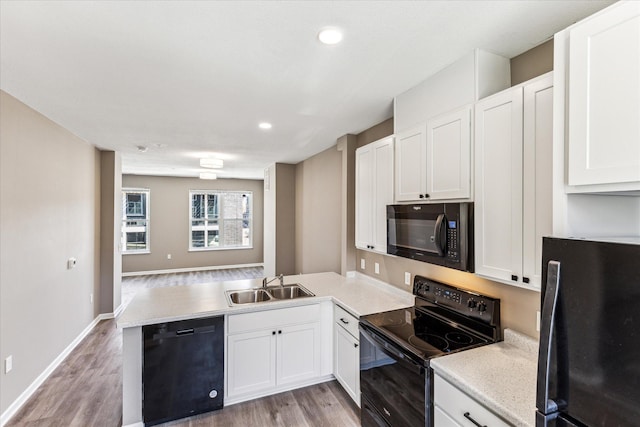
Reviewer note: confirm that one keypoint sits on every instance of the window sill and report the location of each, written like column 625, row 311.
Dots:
column 231, row 248
column 135, row 252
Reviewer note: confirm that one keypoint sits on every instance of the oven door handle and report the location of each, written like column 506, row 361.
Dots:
column 440, row 234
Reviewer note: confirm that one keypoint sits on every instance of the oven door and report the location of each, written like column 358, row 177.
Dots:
column 393, row 386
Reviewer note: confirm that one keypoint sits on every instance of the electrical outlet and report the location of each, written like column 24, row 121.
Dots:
column 8, row 364
column 538, row 321
column 376, row 268
column 168, row 256
column 407, row 278
column 362, row 264
column 71, row 263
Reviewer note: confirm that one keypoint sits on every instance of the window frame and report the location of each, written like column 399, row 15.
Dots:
column 123, row 241
column 220, row 219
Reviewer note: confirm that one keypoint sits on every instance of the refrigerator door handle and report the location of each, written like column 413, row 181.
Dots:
column 543, row 403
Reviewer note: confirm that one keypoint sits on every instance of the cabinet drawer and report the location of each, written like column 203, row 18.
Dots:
column 456, row 404
column 273, row 318
column 346, row 320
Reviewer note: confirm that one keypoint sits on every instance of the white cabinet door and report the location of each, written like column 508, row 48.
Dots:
column 411, row 164
column 449, row 155
column 383, row 191
column 498, row 184
column 513, row 203
column 364, row 197
column 251, row 362
column 347, row 362
column 374, row 191
column 298, row 352
column 604, row 97
column 537, row 213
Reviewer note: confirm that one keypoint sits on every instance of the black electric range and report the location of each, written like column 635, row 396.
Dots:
column 396, row 346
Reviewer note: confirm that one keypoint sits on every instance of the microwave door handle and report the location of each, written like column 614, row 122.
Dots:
column 440, row 234
column 543, row 402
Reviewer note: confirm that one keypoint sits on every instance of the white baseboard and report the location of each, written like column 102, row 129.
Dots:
column 25, row 395
column 188, row 270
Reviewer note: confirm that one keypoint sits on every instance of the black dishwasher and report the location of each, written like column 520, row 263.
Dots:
column 183, row 369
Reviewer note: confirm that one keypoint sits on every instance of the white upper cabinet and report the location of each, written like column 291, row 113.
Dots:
column 449, row 155
column 432, row 123
column 604, row 98
column 433, row 161
column 513, row 183
column 411, row 164
column 374, row 191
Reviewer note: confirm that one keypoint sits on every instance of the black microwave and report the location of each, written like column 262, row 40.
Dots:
column 440, row 233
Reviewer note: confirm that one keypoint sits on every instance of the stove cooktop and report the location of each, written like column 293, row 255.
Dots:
column 423, row 334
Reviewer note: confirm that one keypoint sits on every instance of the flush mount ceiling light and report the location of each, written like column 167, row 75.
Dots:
column 208, row 175
column 265, row 125
column 142, row 148
column 330, row 36
column 211, row 163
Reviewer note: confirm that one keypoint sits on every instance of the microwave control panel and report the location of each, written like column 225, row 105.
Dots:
column 452, row 240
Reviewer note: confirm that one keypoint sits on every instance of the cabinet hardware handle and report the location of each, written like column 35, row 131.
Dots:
column 525, row 280
column 273, row 333
column 185, row 332
column 514, row 277
column 344, row 321
column 355, row 345
column 426, row 196
column 279, row 332
column 467, row 415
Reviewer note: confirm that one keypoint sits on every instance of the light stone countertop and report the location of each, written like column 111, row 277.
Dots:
column 500, row 376
column 359, row 295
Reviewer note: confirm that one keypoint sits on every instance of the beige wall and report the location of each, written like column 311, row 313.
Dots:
column 532, row 63
column 375, row 133
column 318, row 212
column 49, row 203
column 285, row 219
column 169, row 224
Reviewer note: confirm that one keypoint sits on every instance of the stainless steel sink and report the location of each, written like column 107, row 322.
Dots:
column 289, row 292
column 271, row 293
column 248, row 296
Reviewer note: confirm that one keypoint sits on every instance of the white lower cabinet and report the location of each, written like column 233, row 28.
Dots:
column 347, row 352
column 454, row 408
column 273, row 350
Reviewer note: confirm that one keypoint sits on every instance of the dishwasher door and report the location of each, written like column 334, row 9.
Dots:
column 183, row 369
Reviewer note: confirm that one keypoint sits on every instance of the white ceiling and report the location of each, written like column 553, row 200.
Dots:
column 189, row 79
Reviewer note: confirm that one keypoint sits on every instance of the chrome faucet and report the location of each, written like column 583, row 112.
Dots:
column 265, row 281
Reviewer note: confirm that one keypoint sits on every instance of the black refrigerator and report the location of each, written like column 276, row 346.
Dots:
column 589, row 360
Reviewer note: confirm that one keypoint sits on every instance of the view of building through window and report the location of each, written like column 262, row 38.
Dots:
column 135, row 220
column 220, row 219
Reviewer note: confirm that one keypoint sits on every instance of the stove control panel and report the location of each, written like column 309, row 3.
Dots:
column 463, row 301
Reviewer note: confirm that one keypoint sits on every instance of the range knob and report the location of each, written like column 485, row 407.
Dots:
column 482, row 307
column 472, row 303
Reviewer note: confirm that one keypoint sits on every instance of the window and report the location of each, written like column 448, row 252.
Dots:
column 220, row 219
column 135, row 221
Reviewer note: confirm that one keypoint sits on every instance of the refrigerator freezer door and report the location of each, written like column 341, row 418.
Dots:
column 594, row 364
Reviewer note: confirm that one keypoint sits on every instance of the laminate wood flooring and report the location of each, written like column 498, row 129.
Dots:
column 86, row 390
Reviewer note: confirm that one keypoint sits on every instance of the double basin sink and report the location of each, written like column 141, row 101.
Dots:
column 271, row 293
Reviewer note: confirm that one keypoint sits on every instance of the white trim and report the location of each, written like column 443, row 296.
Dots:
column 25, row 395
column 228, row 401
column 138, row 424
column 190, row 269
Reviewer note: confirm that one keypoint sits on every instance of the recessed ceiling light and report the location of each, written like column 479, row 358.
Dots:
column 211, row 163
column 265, row 125
column 142, row 148
column 330, row 36
column 208, row 175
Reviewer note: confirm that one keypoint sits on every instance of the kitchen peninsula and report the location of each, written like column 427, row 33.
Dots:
column 358, row 296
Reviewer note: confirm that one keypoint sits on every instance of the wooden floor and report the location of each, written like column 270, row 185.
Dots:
column 86, row 390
